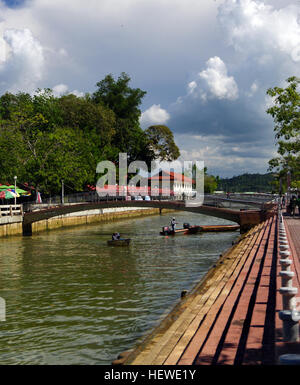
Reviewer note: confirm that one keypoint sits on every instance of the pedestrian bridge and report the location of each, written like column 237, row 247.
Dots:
column 245, row 218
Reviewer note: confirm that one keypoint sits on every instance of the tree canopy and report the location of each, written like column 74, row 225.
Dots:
column 161, row 141
column 286, row 115
column 44, row 138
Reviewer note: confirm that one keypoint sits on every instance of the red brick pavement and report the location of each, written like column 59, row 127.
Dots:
column 243, row 327
column 243, row 333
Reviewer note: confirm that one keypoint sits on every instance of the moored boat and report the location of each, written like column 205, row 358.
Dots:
column 216, row 228
column 187, row 229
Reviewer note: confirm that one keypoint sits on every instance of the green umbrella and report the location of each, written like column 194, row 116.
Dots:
column 18, row 190
column 6, row 194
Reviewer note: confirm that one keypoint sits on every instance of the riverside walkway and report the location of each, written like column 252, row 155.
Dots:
column 232, row 316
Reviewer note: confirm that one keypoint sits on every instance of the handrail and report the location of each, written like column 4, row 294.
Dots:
column 11, row 210
column 92, row 196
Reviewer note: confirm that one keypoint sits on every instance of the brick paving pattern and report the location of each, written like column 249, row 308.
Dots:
column 232, row 319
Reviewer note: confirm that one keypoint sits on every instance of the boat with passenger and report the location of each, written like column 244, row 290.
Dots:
column 119, row 242
column 116, row 240
column 188, row 229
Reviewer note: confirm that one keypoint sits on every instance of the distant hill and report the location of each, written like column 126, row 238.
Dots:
column 247, row 182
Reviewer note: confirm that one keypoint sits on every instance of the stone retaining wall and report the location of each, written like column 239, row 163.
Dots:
column 78, row 218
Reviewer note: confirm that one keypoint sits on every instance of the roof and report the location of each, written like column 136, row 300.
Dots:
column 166, row 175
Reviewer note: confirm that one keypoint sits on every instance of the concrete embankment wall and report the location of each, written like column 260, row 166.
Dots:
column 11, row 229
column 79, row 218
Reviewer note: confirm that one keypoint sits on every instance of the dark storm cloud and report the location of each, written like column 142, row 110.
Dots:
column 206, row 65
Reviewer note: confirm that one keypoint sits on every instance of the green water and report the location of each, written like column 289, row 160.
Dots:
column 71, row 299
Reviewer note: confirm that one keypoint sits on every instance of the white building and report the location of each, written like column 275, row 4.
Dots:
column 173, row 183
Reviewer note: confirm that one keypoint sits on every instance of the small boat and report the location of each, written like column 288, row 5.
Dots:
column 187, row 229
column 119, row 242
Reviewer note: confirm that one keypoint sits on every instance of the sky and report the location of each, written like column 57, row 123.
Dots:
column 206, row 65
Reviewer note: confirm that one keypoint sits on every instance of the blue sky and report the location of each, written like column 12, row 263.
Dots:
column 13, row 3
column 206, row 65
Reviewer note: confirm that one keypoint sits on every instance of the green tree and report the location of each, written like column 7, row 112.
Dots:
column 286, row 115
column 119, row 97
column 210, row 184
column 124, row 101
column 44, row 138
column 162, row 143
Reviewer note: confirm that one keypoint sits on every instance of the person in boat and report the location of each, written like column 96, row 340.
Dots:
column 115, row 236
column 173, row 223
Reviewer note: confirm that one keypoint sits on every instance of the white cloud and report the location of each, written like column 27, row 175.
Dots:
column 63, row 89
column 24, row 64
column 60, row 89
column 154, row 115
column 212, row 83
column 219, row 84
column 222, row 157
column 247, row 45
column 254, row 27
column 77, row 93
column 83, row 43
column 192, row 87
column 253, row 89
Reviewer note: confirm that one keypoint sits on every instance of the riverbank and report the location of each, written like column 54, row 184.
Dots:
column 77, row 219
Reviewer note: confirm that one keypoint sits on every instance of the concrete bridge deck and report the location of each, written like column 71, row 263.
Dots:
column 246, row 219
column 231, row 318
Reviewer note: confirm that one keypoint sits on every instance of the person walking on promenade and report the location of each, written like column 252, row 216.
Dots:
column 293, row 204
column 283, row 202
column 298, row 203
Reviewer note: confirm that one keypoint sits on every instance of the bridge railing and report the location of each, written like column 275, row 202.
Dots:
column 11, row 210
column 92, row 196
column 85, row 197
column 239, row 201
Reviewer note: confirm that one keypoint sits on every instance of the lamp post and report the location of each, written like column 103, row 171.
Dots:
column 15, row 178
column 289, row 184
column 62, row 191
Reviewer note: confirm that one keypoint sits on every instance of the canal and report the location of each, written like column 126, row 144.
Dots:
column 71, row 299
